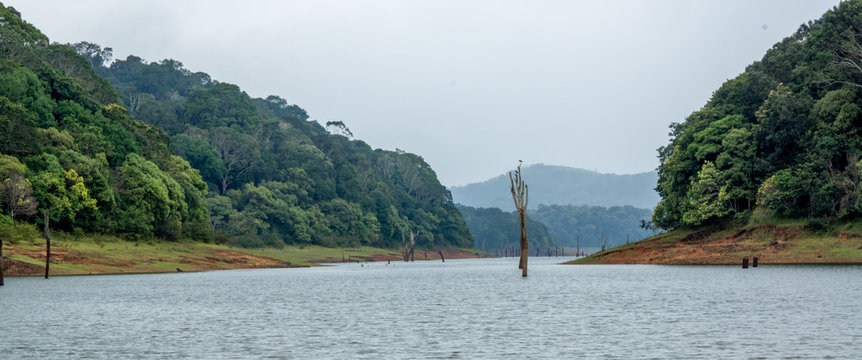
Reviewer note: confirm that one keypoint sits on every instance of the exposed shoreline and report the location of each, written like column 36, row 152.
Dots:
column 771, row 244
column 71, row 257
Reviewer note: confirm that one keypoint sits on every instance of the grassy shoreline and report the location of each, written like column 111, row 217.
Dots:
column 98, row 254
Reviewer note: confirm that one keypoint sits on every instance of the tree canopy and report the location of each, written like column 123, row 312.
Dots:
column 783, row 136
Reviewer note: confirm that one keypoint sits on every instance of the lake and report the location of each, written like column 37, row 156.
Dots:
column 458, row 309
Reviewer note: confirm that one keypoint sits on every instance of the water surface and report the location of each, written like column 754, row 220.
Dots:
column 457, row 309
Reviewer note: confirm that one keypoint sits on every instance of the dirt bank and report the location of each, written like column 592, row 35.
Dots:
column 770, row 243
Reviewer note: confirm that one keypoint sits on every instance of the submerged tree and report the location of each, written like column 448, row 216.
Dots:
column 409, row 247
column 519, row 194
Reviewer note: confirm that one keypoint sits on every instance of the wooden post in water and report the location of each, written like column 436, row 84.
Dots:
column 441, row 255
column 745, row 263
column 47, row 244
column 1, row 261
column 754, row 262
column 578, row 251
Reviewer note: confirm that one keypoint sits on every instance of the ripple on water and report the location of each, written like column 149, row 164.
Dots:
column 458, row 309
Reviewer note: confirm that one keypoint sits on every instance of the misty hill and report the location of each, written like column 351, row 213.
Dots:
column 560, row 185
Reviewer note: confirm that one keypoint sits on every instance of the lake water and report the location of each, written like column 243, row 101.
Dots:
column 457, row 309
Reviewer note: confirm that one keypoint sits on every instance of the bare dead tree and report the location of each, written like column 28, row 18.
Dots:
column 136, row 101
column 521, row 197
column 236, row 151
column 846, row 67
column 18, row 196
column 409, row 248
column 849, row 58
column 338, row 128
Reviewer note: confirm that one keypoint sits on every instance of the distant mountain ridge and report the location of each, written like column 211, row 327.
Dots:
column 561, row 185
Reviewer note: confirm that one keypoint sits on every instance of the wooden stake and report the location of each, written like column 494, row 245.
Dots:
column 745, row 263
column 1, row 262
column 47, row 244
column 441, row 255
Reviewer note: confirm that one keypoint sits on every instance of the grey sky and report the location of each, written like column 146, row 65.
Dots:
column 472, row 86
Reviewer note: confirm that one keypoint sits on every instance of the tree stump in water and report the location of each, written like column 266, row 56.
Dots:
column 47, row 244
column 1, row 262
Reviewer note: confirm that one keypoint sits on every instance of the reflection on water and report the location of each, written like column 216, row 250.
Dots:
column 457, row 309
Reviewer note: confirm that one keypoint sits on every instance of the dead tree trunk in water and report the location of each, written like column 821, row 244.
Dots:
column 521, row 197
column 47, row 245
column 409, row 248
column 413, row 245
column 1, row 262
column 441, row 255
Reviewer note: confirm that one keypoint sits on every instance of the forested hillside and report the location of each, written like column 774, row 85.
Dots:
column 560, row 185
column 494, row 230
column 69, row 149
column 101, row 156
column 780, row 140
column 569, row 224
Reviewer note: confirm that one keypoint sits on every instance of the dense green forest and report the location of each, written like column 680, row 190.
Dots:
column 66, row 147
column 494, row 230
column 780, row 140
column 569, row 223
column 560, row 185
column 149, row 150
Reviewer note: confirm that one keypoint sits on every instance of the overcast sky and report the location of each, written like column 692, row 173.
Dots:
column 471, row 86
